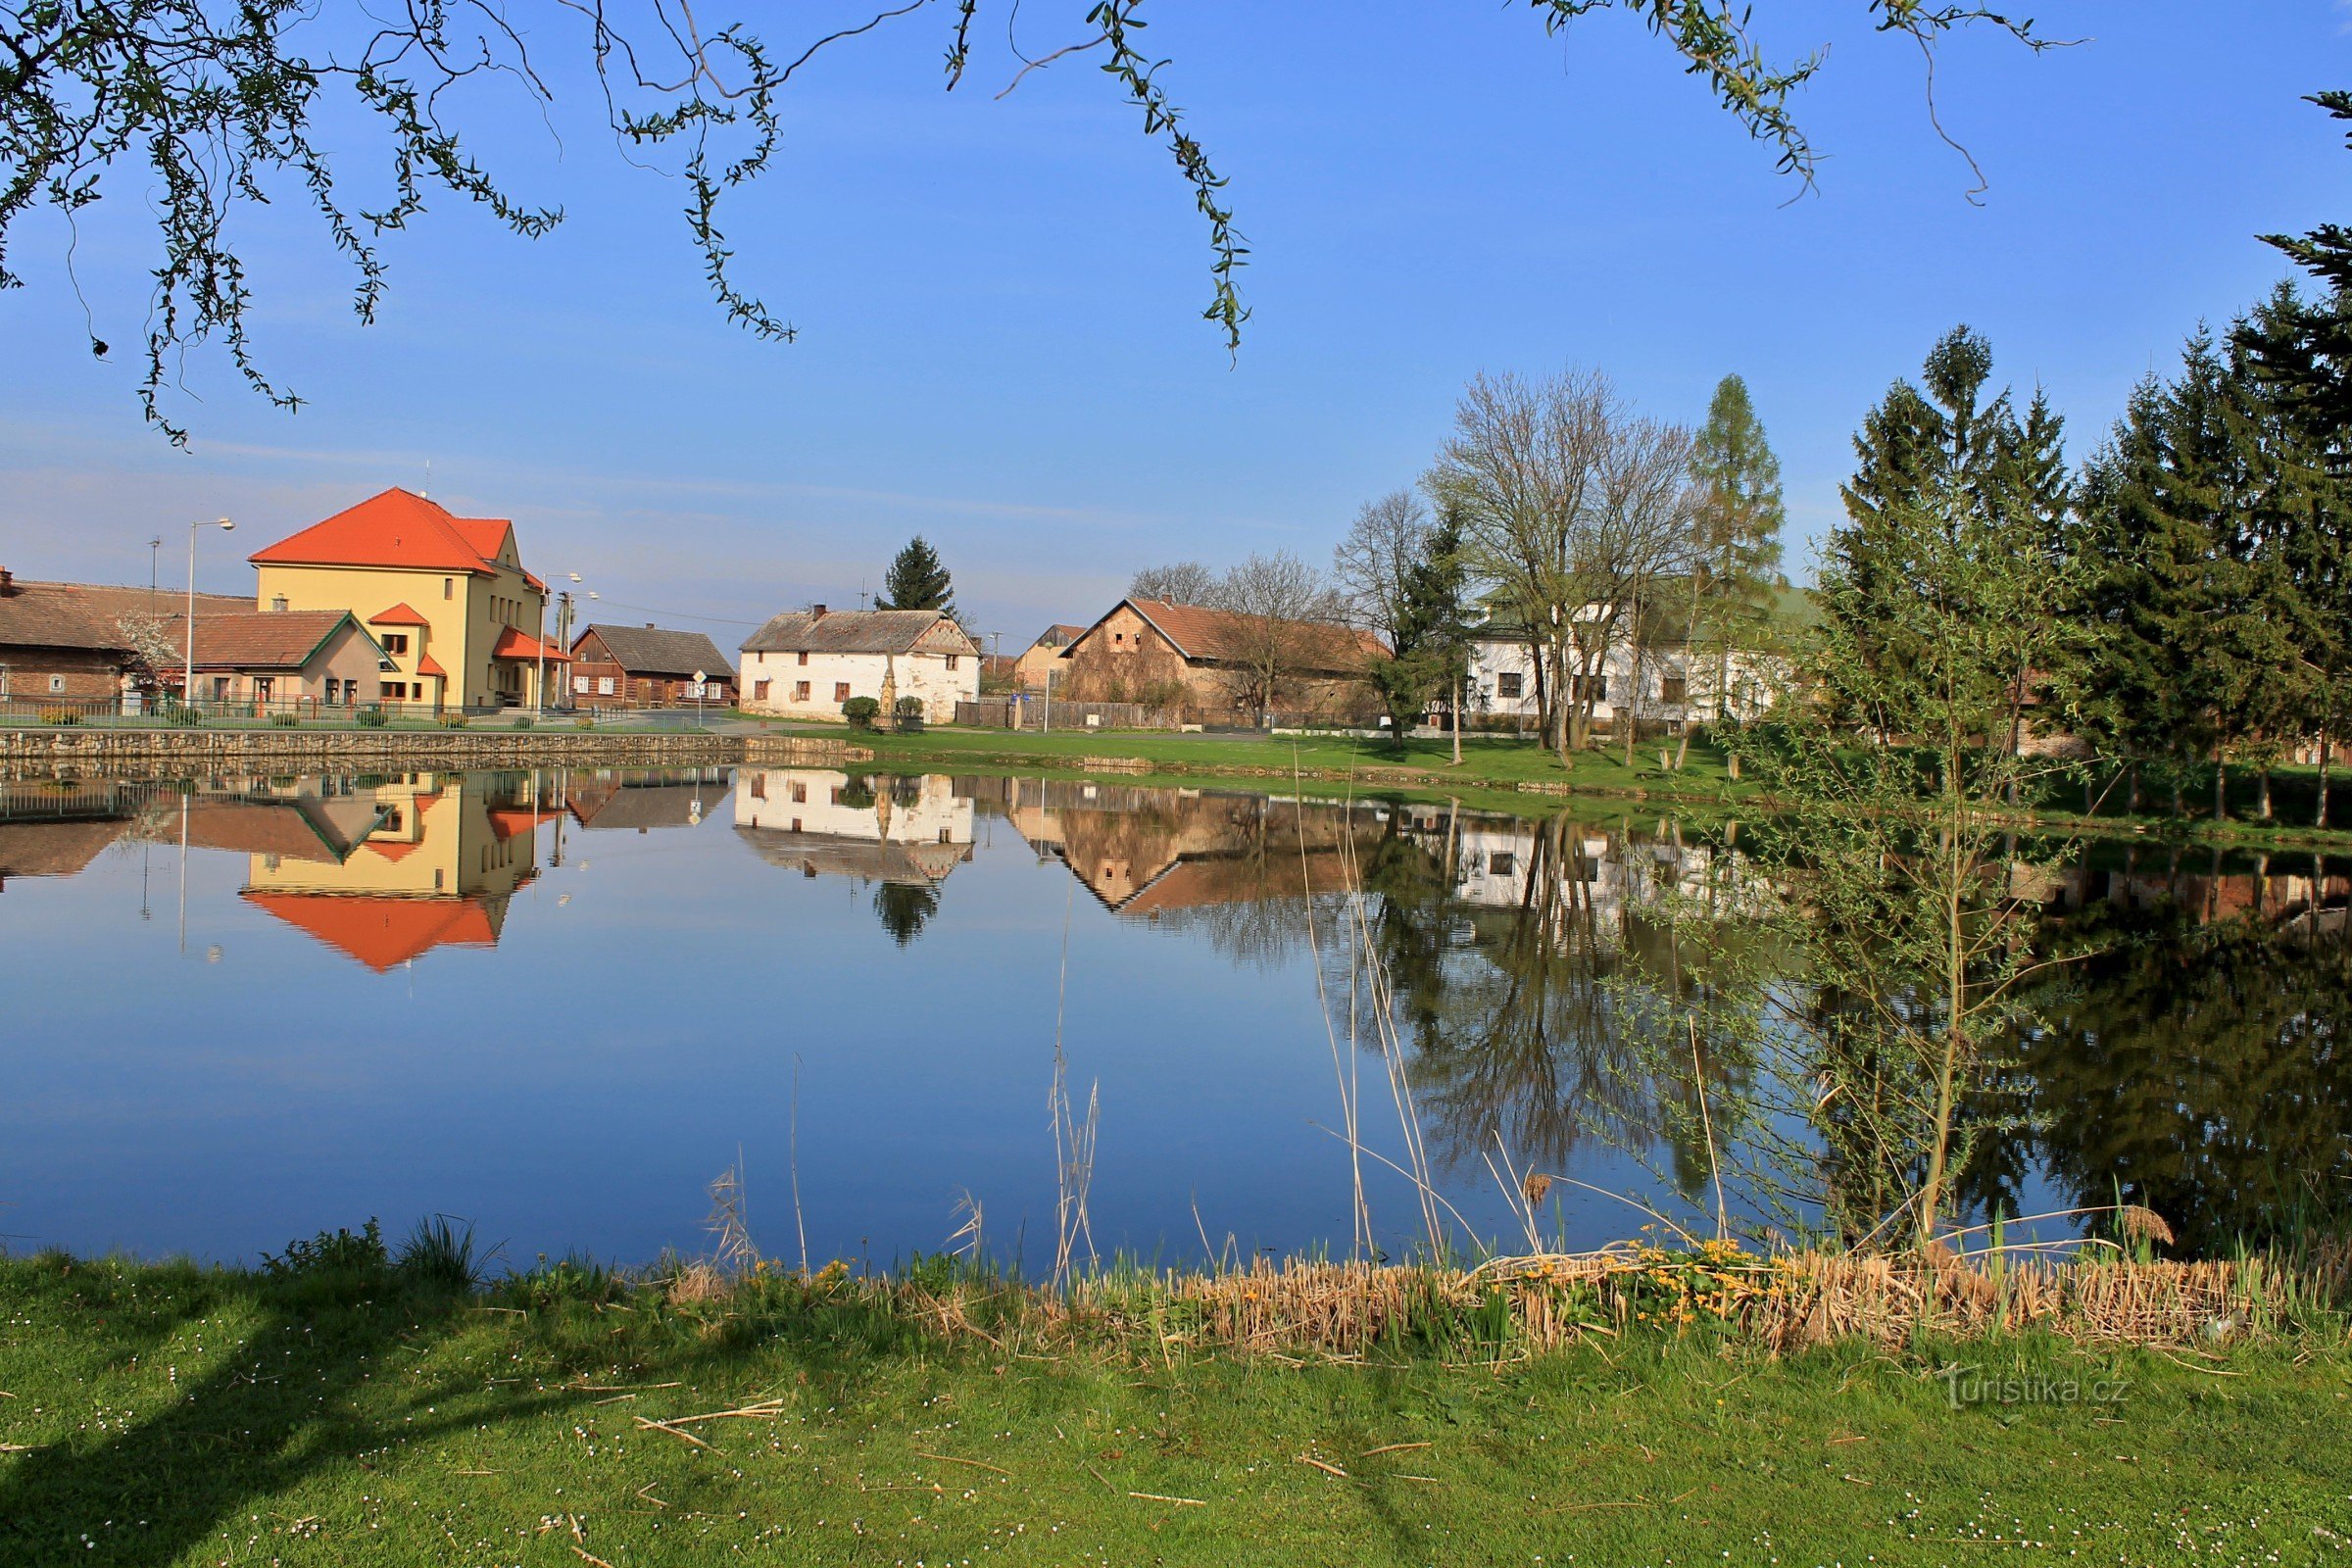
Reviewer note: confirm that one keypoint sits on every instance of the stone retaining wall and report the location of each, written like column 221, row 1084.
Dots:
column 90, row 753
column 95, row 753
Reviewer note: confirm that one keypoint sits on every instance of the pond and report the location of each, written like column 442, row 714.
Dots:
column 558, row 1004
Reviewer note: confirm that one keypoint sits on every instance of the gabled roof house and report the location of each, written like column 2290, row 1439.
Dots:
column 807, row 663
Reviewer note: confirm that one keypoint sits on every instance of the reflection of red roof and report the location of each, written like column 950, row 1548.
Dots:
column 428, row 664
column 399, row 615
column 260, row 827
column 382, row 930
column 394, row 850
column 507, row 821
column 395, row 529
column 514, row 643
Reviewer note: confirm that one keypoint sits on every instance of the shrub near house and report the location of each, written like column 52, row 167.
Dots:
column 807, row 663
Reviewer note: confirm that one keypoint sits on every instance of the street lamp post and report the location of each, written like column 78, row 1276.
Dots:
column 187, row 690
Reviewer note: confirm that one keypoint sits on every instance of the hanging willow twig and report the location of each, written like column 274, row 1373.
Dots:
column 221, row 100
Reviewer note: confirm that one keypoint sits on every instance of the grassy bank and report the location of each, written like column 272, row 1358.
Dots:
column 1504, row 771
column 163, row 1413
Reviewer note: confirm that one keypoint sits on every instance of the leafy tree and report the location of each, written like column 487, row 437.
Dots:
column 218, row 107
column 918, row 580
column 2190, row 573
column 1894, row 768
column 1738, row 550
column 1428, row 639
column 905, row 908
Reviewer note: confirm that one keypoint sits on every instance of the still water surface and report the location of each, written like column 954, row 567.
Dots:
column 557, row 1004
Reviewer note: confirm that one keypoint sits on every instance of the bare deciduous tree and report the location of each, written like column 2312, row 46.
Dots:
column 1287, row 622
column 1374, row 564
column 1576, row 508
column 1183, row 582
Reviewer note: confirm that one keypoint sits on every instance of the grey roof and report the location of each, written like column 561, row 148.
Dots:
column 922, row 865
column 654, row 650
column 850, row 631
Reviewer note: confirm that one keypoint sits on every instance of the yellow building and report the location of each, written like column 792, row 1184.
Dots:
column 446, row 597
column 446, row 854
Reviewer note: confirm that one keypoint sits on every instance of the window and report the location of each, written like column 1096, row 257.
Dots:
column 1674, row 689
column 582, row 685
column 841, row 691
column 1500, row 862
column 57, row 683
column 334, row 692
column 800, row 792
column 396, row 642
column 1595, row 687
column 799, row 691
column 263, row 687
column 277, row 604
column 760, row 691
column 804, row 659
column 604, row 686
column 952, row 659
column 1511, row 683
column 449, row 587
column 758, row 786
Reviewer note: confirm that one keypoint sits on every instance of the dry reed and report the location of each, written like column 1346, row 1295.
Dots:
column 1519, row 1307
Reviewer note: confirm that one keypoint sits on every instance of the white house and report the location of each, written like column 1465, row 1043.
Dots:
column 904, row 828
column 807, row 663
column 1667, row 686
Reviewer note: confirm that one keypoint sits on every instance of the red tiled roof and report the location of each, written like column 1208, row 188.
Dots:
column 514, row 643
column 428, row 664
column 507, row 821
column 381, row 930
column 1203, row 634
column 258, row 639
column 399, row 615
column 396, row 529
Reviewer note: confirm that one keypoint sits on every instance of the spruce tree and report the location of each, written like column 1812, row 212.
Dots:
column 1916, row 451
column 918, row 580
column 1737, row 548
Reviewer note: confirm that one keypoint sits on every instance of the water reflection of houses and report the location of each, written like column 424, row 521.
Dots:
column 1503, row 863
column 1147, row 852
column 56, row 827
column 643, row 800
column 434, row 866
column 2292, row 891
column 898, row 829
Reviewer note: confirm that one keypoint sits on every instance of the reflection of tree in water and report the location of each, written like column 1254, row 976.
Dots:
column 1525, row 1029
column 904, row 907
column 2204, row 1070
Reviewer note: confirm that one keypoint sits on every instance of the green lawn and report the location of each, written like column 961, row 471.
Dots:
column 1488, row 762
column 166, row 1415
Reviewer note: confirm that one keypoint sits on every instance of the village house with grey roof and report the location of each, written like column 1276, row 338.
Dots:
column 807, row 663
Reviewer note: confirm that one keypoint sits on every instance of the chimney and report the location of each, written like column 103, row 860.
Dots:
column 649, row 626
column 8, row 582
column 816, row 611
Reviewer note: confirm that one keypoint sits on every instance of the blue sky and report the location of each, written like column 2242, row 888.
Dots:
column 999, row 299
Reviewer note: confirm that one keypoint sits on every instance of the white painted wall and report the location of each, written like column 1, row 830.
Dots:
column 923, row 675
column 1638, row 683
column 803, row 800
